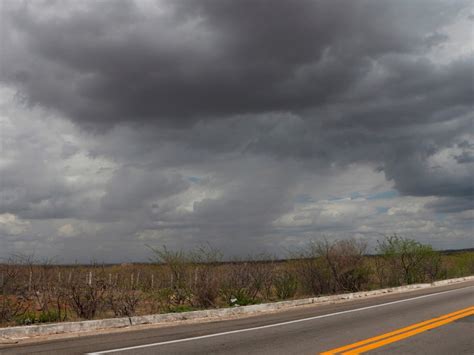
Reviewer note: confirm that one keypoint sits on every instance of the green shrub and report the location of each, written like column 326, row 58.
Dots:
column 48, row 317
column 408, row 261
column 461, row 264
column 286, row 285
column 26, row 318
column 243, row 298
column 180, row 308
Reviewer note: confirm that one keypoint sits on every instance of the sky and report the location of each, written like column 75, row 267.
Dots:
column 254, row 126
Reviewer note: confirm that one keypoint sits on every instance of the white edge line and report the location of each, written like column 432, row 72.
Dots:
column 272, row 325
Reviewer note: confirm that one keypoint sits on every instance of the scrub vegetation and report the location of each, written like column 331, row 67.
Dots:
column 175, row 281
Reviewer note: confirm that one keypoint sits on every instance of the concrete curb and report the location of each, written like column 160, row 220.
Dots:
column 91, row 325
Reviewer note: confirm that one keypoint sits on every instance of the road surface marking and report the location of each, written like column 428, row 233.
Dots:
column 399, row 334
column 273, row 325
column 408, row 334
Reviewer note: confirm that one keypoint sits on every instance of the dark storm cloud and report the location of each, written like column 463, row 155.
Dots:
column 112, row 61
column 453, row 205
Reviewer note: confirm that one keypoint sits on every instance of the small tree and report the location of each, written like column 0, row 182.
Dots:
column 177, row 263
column 408, row 261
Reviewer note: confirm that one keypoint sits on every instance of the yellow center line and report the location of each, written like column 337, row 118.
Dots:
column 407, row 334
column 401, row 333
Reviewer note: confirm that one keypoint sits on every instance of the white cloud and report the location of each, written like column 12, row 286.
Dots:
column 67, row 230
column 12, row 225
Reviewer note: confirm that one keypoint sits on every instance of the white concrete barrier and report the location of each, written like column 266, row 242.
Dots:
column 91, row 325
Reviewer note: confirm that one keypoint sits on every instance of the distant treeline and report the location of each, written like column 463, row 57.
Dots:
column 456, row 251
column 263, row 258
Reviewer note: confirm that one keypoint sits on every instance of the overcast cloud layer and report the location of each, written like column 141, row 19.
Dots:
column 253, row 125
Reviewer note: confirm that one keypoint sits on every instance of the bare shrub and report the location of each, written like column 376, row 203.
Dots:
column 205, row 284
column 14, row 300
column 325, row 267
column 312, row 271
column 263, row 273
column 241, row 284
column 346, row 261
column 123, row 303
column 87, row 298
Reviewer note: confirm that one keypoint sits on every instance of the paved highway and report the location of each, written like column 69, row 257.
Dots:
column 431, row 321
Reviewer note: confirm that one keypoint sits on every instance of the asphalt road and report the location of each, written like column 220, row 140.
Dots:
column 431, row 321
